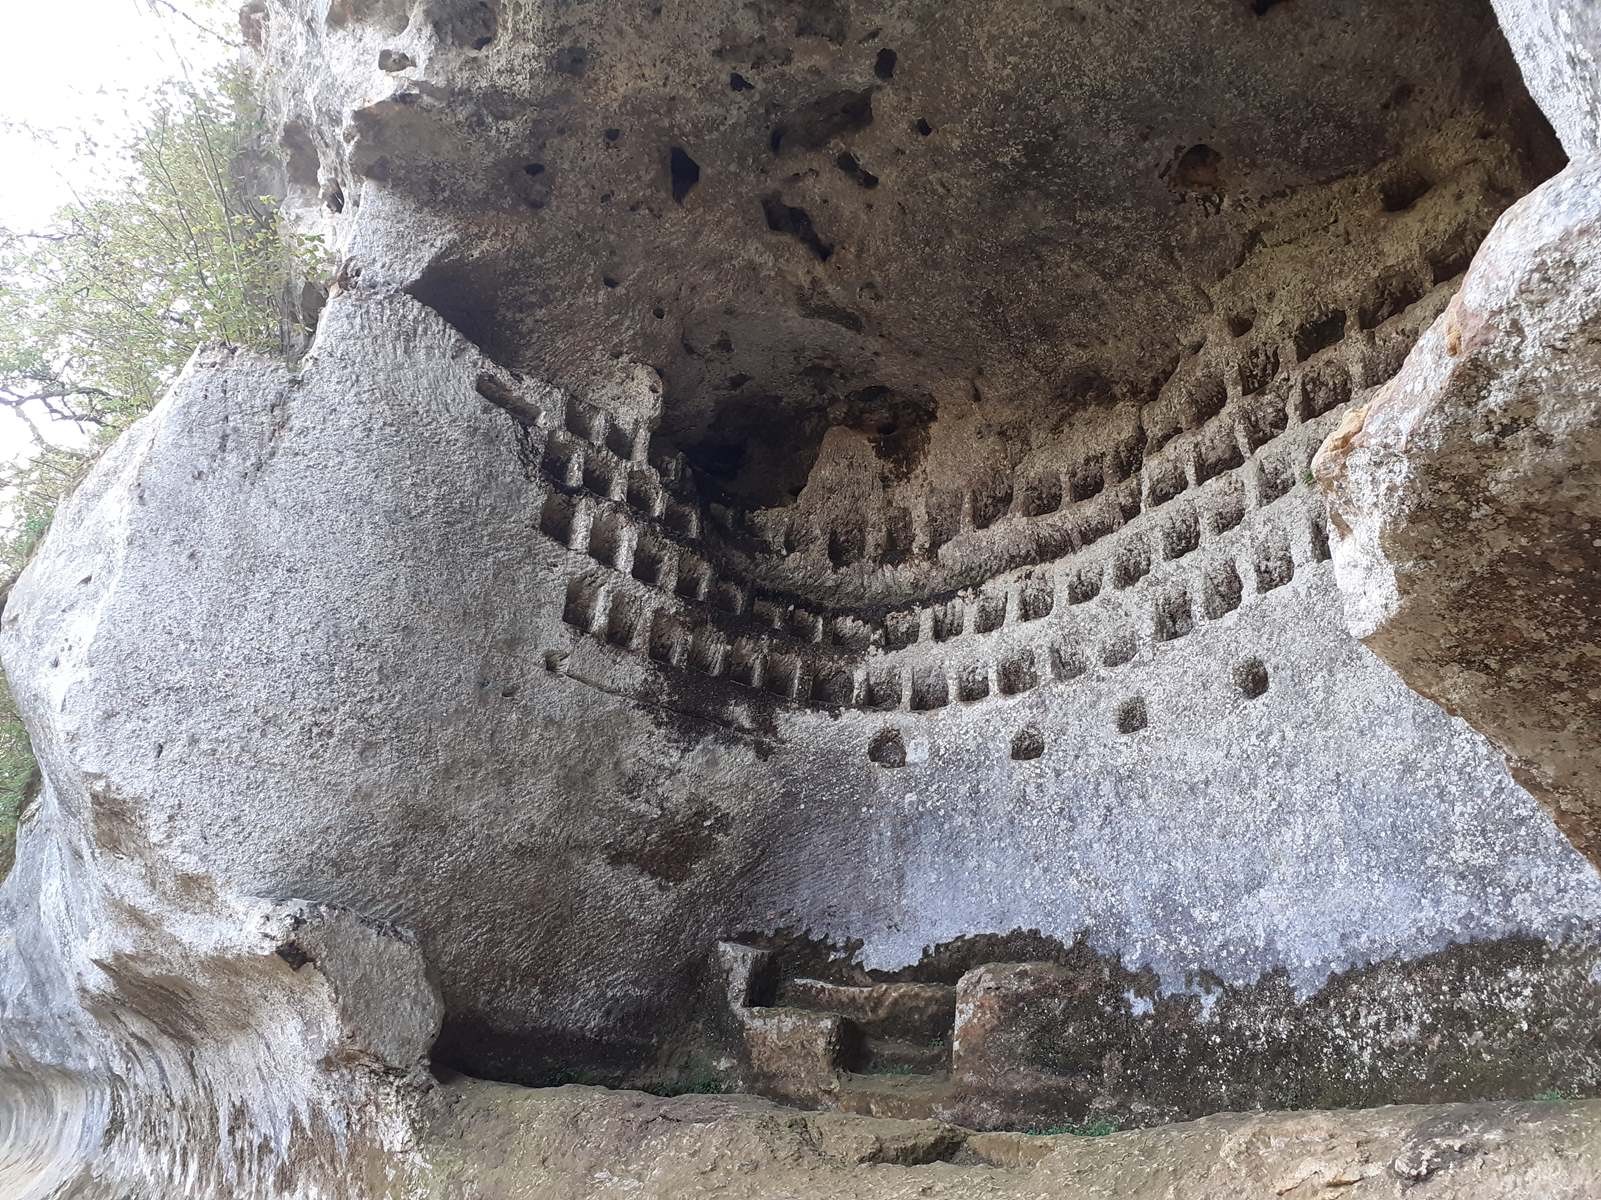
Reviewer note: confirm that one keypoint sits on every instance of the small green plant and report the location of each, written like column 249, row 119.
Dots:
column 1554, row 1094
column 19, row 775
column 697, row 1080
column 1096, row 1127
column 104, row 306
column 102, row 309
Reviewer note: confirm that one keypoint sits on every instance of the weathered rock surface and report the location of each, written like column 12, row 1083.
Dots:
column 501, row 1143
column 862, row 217
column 1558, row 45
column 832, row 478
column 1466, row 502
column 308, row 626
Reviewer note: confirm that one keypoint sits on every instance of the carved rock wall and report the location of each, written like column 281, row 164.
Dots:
column 800, row 475
column 475, row 724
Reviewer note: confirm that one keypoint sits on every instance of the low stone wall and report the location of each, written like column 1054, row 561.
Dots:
column 1080, row 1039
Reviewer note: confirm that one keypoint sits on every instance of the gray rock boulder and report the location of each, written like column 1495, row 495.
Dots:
column 1465, row 499
column 1558, row 45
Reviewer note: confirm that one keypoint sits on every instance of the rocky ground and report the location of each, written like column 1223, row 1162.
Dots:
column 492, row 1142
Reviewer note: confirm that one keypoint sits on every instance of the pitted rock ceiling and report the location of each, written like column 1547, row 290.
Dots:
column 869, row 215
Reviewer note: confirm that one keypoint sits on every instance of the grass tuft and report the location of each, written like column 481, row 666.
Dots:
column 1098, row 1127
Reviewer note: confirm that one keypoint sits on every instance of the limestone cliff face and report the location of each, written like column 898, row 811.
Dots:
column 789, row 510
column 1464, row 493
column 191, row 1027
column 1465, row 497
column 1556, row 47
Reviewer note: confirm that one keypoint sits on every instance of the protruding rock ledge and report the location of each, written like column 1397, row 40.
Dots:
column 1466, row 502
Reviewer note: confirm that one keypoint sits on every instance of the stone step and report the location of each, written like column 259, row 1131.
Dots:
column 909, row 1012
column 902, row 1097
column 889, row 1054
column 795, row 1053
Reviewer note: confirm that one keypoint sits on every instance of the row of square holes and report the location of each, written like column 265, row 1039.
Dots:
column 1173, row 617
column 1387, row 295
column 1036, row 598
column 645, row 494
column 675, row 642
column 1324, row 386
column 887, row 747
column 1322, row 389
column 571, row 465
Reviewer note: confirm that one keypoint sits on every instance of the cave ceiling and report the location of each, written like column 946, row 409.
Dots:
column 805, row 215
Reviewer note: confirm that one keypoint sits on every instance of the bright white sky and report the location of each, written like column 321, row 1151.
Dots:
column 84, row 65
column 70, row 67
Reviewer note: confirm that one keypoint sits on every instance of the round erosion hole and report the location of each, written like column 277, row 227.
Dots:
column 1250, row 677
column 1027, row 743
column 887, row 749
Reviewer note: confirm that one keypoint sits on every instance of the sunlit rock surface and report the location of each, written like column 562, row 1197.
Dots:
column 1468, row 533
column 1558, row 47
